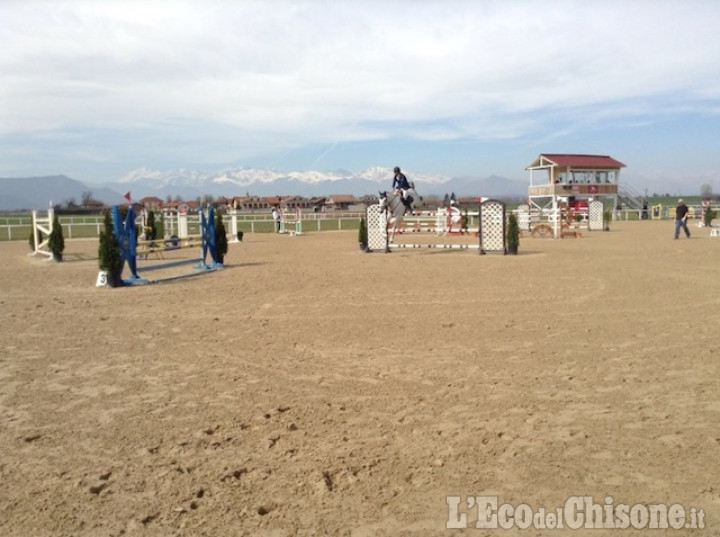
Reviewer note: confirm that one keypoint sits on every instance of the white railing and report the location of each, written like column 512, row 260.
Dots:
column 19, row 227
column 13, row 232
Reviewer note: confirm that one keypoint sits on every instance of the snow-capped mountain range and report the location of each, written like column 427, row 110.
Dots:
column 38, row 192
column 240, row 181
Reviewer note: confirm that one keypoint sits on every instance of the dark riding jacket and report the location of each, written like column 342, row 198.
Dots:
column 400, row 181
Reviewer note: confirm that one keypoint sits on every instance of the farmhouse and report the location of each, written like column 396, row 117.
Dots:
column 340, row 202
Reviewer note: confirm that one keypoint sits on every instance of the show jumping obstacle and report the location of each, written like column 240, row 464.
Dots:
column 491, row 231
column 394, row 207
column 41, row 229
column 444, row 221
column 234, row 229
column 559, row 222
column 291, row 222
column 131, row 248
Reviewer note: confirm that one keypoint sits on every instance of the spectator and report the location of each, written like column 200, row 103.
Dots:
column 681, row 215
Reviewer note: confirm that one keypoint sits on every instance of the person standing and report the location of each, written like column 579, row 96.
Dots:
column 276, row 218
column 681, row 215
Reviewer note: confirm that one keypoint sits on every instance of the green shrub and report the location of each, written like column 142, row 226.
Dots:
column 710, row 215
column 160, row 227
column 56, row 240
column 607, row 218
column 150, row 230
column 513, row 230
column 109, row 258
column 362, row 234
column 221, row 243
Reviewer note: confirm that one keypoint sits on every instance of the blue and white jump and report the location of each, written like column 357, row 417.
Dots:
column 126, row 234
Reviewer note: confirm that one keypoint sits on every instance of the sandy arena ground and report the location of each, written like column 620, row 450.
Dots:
column 310, row 389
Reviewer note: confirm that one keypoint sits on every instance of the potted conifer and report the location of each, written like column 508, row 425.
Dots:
column 221, row 244
column 512, row 234
column 109, row 257
column 464, row 222
column 362, row 235
column 160, row 227
column 150, row 231
column 607, row 218
column 709, row 216
column 56, row 241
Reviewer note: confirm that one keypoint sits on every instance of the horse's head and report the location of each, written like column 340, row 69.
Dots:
column 382, row 200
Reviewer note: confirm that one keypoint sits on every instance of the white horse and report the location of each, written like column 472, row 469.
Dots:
column 395, row 207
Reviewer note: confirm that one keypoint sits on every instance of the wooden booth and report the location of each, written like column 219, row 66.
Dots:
column 563, row 185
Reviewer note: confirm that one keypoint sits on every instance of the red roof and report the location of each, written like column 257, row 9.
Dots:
column 342, row 198
column 151, row 199
column 579, row 161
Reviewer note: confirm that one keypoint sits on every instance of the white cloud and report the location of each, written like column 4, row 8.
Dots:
column 287, row 73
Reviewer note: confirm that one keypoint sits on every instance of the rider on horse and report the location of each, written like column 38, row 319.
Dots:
column 401, row 186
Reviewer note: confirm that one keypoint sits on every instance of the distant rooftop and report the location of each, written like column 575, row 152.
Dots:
column 547, row 160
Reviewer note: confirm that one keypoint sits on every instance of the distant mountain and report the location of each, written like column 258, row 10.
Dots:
column 234, row 182
column 41, row 192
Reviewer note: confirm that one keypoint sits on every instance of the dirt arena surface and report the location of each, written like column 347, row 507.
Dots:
column 310, row 389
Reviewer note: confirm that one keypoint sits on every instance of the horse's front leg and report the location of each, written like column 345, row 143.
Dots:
column 394, row 229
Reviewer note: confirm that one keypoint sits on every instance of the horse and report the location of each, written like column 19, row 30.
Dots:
column 395, row 207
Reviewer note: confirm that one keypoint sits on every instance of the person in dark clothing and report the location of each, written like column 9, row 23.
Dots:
column 401, row 186
column 681, row 214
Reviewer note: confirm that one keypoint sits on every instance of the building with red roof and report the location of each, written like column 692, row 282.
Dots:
column 570, row 181
column 551, row 173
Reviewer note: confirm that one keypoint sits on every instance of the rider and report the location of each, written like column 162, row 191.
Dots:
column 453, row 217
column 401, row 186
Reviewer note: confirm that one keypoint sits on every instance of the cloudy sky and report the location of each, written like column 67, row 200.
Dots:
column 94, row 89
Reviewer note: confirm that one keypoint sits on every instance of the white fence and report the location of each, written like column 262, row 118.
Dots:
column 19, row 227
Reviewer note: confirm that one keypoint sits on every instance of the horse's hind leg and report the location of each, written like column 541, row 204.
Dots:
column 410, row 205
